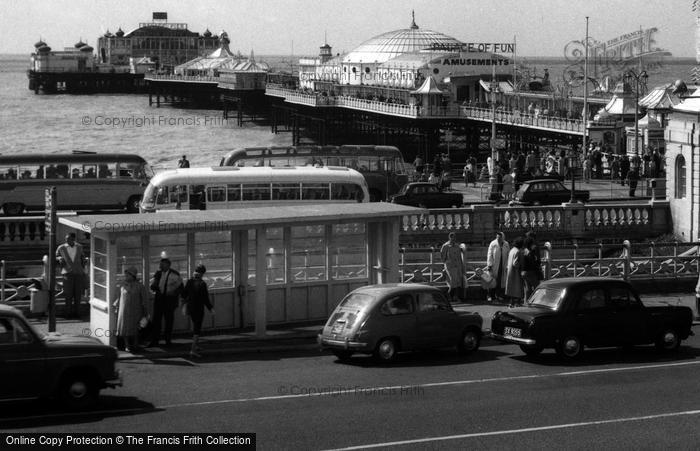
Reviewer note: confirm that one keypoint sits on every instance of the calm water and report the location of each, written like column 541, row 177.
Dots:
column 125, row 123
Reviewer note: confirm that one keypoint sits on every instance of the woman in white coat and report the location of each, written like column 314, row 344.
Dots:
column 514, row 280
column 496, row 263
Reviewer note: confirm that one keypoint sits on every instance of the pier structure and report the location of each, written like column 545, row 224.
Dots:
column 221, row 79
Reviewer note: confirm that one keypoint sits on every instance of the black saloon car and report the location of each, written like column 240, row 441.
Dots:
column 427, row 195
column 33, row 365
column 546, row 192
column 386, row 319
column 572, row 313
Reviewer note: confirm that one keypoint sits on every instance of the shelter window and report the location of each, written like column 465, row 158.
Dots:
column 348, row 251
column 213, row 249
column 129, row 253
column 308, row 253
column 680, row 177
column 174, row 245
column 276, row 261
column 99, row 265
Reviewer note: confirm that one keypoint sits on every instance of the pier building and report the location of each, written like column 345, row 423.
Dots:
column 168, row 43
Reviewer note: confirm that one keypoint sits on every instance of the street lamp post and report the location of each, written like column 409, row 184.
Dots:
column 574, row 159
column 493, row 179
column 640, row 80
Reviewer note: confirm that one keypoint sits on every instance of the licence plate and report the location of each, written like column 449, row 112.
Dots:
column 512, row 332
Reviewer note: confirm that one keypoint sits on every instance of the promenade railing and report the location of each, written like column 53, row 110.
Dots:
column 195, row 78
column 513, row 117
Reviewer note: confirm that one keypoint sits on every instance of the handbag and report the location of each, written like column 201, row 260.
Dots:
column 488, row 282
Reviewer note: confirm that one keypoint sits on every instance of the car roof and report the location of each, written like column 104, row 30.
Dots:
column 569, row 282
column 9, row 309
column 381, row 290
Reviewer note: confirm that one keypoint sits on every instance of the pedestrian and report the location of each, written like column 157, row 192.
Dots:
column 167, row 286
column 531, row 163
column 72, row 262
column 472, row 161
column 419, row 165
column 624, row 169
column 508, row 186
column 183, row 162
column 452, row 254
column 633, row 178
column 195, row 298
column 514, row 281
column 586, row 170
column 697, row 299
column 468, row 174
column 130, row 307
column 532, row 265
column 615, row 169
column 496, row 264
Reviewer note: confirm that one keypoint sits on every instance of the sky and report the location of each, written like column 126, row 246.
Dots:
column 297, row 27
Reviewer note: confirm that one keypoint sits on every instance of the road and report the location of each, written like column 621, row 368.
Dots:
column 495, row 399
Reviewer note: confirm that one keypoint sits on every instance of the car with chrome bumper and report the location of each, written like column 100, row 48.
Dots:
column 572, row 313
column 384, row 320
column 36, row 365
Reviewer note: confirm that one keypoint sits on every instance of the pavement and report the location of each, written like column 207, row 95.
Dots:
column 295, row 337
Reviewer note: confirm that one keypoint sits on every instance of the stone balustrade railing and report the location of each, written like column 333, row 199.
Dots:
column 199, row 78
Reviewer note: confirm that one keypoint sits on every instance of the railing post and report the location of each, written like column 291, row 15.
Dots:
column 432, row 251
column 547, row 260
column 2, row 281
column 627, row 259
column 600, row 259
column 575, row 260
column 651, row 259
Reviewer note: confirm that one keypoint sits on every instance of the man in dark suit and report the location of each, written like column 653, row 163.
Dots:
column 167, row 286
column 72, row 262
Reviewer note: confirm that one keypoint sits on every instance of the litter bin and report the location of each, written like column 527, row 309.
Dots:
column 38, row 300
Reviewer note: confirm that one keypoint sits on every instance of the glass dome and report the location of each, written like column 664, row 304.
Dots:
column 394, row 43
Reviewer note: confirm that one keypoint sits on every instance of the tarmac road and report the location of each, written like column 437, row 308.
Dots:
column 495, row 399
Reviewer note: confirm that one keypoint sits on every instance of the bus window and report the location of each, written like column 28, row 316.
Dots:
column 8, row 173
column 197, row 199
column 162, row 197
column 285, row 191
column 234, row 192
column 90, row 171
column 256, row 191
column 27, row 172
column 314, row 191
column 105, row 171
column 178, row 194
column 51, row 172
column 75, row 172
column 132, row 170
column 341, row 191
column 62, row 171
column 216, row 194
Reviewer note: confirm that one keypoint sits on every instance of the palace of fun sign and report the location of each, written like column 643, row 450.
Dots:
column 492, row 47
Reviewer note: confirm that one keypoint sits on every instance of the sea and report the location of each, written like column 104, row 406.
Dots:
column 125, row 123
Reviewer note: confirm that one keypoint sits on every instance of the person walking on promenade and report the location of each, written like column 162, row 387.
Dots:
column 167, row 286
column 624, row 169
column 514, row 281
column 419, row 165
column 452, row 254
column 183, row 162
column 531, row 163
column 508, row 186
column 615, row 169
column 586, row 169
column 72, row 262
column 130, row 307
column 195, row 298
column 633, row 178
column 496, row 264
column 532, row 265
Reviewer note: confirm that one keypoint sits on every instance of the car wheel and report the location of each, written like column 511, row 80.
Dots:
column 668, row 340
column 531, row 351
column 469, row 341
column 570, row 347
column 78, row 391
column 342, row 354
column 386, row 350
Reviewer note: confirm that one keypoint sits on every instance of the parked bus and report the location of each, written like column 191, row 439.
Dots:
column 224, row 187
column 382, row 166
column 83, row 181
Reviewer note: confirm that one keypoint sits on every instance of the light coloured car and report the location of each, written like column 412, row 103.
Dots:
column 384, row 320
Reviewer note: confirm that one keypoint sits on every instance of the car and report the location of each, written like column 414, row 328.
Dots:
column 427, row 195
column 546, row 191
column 386, row 319
column 572, row 313
column 34, row 365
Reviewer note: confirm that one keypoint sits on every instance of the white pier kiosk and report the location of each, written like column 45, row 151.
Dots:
column 265, row 266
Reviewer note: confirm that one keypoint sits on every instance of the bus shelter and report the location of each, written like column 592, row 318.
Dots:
column 265, row 266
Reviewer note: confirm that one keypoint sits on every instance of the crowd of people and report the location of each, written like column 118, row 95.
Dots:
column 512, row 271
